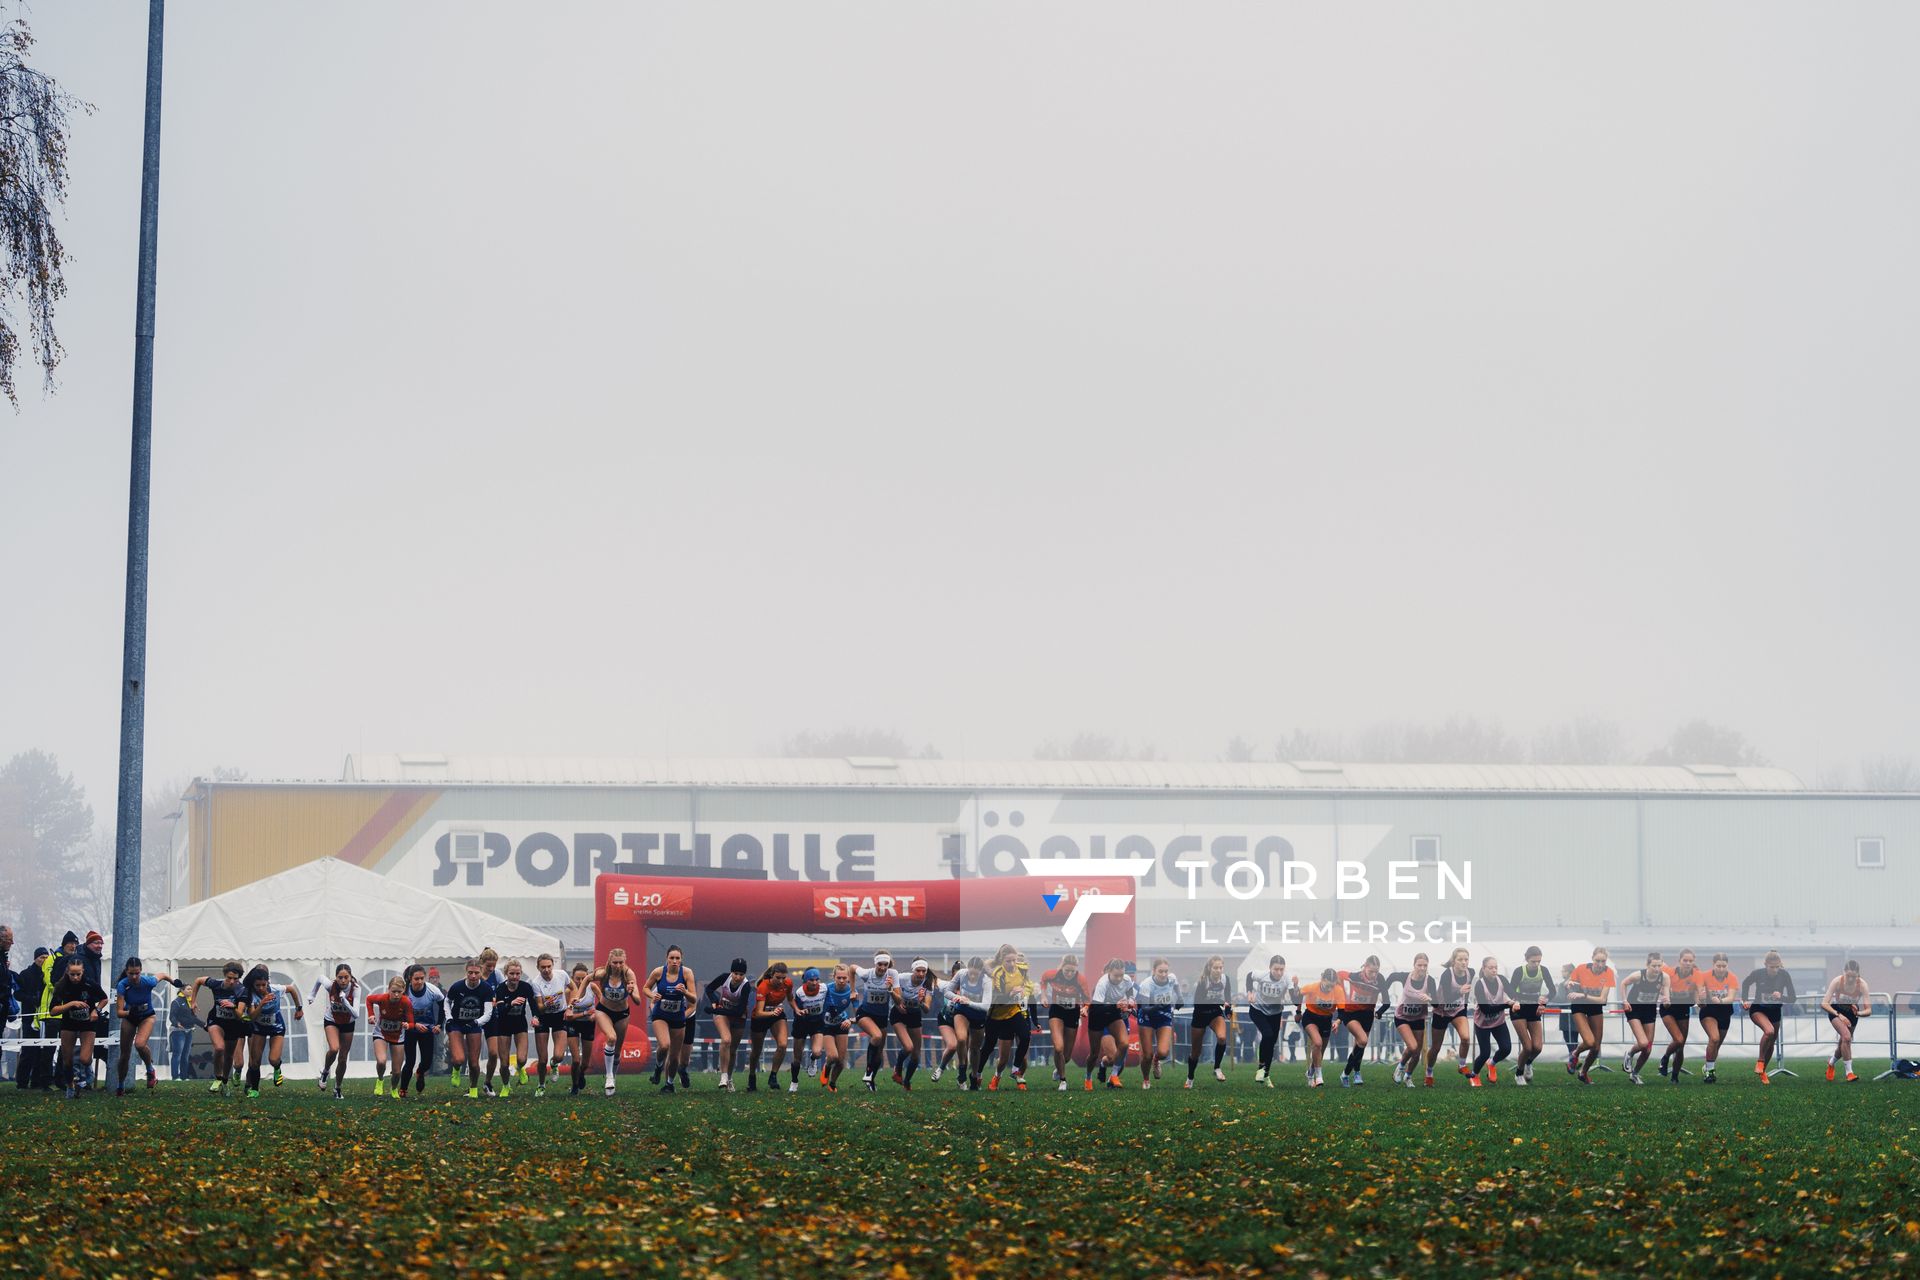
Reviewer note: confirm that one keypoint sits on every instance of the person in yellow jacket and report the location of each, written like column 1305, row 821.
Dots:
column 35, row 993
column 1012, row 991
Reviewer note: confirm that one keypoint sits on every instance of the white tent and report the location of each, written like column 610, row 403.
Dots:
column 305, row 920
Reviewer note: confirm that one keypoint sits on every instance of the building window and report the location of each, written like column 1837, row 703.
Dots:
column 1871, row 852
column 1426, row 850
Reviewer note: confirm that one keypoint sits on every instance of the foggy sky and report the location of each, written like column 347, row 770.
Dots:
column 633, row 380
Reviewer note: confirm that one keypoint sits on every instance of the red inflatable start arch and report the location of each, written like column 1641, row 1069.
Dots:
column 625, row 907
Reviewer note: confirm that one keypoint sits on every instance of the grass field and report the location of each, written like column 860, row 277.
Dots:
column 1741, row 1179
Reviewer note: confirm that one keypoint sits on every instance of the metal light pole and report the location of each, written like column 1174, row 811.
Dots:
column 133, row 683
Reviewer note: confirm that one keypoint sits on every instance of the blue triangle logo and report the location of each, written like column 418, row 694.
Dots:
column 1051, row 899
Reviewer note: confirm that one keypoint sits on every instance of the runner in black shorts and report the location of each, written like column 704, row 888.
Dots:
column 549, row 1020
column 1683, row 982
column 224, row 1027
column 1267, row 997
column 1356, row 1014
column 1532, row 986
column 1418, row 989
column 579, row 1022
column 909, row 1020
column 1066, row 993
column 1766, row 990
column 1646, row 990
column 671, row 1010
column 614, row 987
column 730, row 1001
column 343, row 996
column 1718, row 988
column 1846, row 1002
column 770, row 998
column 1212, row 1011
column 429, row 1015
column 513, row 1008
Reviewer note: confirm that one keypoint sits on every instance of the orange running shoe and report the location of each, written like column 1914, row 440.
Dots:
column 1020, row 1084
column 1852, row 1078
column 1759, row 1068
column 1473, row 1082
column 1829, row 1073
column 1765, row 1078
column 993, row 1084
column 1493, row 1074
column 1089, row 1084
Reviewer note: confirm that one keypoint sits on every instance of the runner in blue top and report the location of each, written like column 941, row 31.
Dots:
column 429, row 1016
column 808, row 997
column 135, row 1011
column 670, row 997
column 1159, row 995
column 836, row 1014
column 469, row 1005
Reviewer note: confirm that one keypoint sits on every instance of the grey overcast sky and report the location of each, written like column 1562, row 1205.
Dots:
column 616, row 378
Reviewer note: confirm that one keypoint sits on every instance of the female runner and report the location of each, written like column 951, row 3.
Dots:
column 909, row 1020
column 1645, row 990
column 429, row 1015
column 582, row 1004
column 876, row 991
column 1114, row 997
column 808, row 998
column 836, row 1017
column 512, row 1003
column 1450, row 1010
column 264, row 1010
column 1492, row 1002
column 496, row 1044
column 1319, row 1002
column 550, row 1020
column 1356, row 1014
column 469, row 1006
column 78, row 1000
column 729, row 1000
column 391, row 1013
column 770, row 995
column 1213, row 1011
column 1007, row 1027
column 1066, row 994
column 1532, row 986
column 224, row 1026
column 669, row 992
column 1267, row 997
column 1845, row 1003
column 134, row 1008
column 1683, row 983
column 343, row 996
column 1766, row 990
column 1718, row 990
column 613, row 992
column 949, row 1036
column 1588, row 988
column 971, row 1004
column 1158, row 997
column 1413, row 1017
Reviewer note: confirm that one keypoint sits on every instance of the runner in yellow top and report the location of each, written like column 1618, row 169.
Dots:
column 1012, row 990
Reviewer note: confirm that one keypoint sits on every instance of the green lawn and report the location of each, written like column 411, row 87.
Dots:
column 1801, row 1177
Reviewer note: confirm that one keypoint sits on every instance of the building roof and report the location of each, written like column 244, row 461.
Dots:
column 1054, row 775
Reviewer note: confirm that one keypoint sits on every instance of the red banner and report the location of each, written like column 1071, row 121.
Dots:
column 648, row 901
column 830, row 905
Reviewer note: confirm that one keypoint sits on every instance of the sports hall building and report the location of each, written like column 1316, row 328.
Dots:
column 1734, row 859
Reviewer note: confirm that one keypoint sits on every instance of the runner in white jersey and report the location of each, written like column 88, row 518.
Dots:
column 1114, row 998
column 875, row 993
column 1268, row 995
column 549, row 1021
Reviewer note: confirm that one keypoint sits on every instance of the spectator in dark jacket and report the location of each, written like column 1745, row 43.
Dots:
column 181, row 1022
column 6, row 966
column 34, row 990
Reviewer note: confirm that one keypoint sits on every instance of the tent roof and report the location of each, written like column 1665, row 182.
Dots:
column 329, row 909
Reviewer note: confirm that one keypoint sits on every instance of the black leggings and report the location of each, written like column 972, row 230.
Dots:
column 1486, row 1038
column 1270, row 1025
column 419, row 1055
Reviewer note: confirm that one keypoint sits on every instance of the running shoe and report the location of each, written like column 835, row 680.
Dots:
column 1260, row 1075
column 1188, row 1084
column 1585, row 1078
column 1410, row 1083
column 753, row 1082
column 1493, row 1073
column 276, row 1077
column 1473, row 1082
column 897, row 1078
column 322, row 1083
column 936, row 1075
column 1765, row 1078
column 993, row 1085
column 793, row 1087
column 338, row 1096
column 1146, row 1082
column 823, row 1081
column 475, row 1093
column 1399, row 1072
column 1710, row 1078
column 1852, row 1078
column 871, row 1088
column 1759, row 1068
column 1113, row 1082
column 609, row 1088
column 216, row 1086
column 1087, row 1086
column 1346, row 1079
column 684, row 1082
column 1267, row 1080
column 1063, row 1086
column 1429, row 1079
column 506, row 1090
column 907, row 1084
column 379, row 1088
column 1218, row 1074
column 1829, row 1073
column 668, row 1086
column 251, row 1093
column 1520, row 1079
column 1357, row 1081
